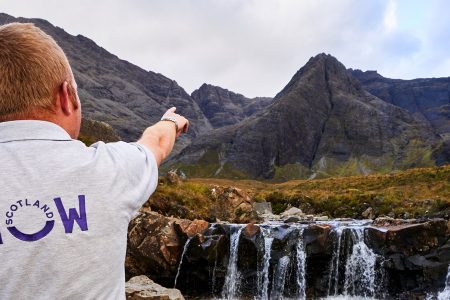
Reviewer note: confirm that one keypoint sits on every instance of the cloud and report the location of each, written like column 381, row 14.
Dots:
column 254, row 46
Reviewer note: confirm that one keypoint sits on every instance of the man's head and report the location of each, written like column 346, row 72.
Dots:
column 36, row 81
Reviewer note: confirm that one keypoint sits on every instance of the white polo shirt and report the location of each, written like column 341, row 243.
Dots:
column 64, row 212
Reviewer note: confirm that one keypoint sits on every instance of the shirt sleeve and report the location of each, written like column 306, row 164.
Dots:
column 138, row 172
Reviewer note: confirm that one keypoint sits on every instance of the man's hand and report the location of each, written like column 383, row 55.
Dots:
column 182, row 122
column 160, row 137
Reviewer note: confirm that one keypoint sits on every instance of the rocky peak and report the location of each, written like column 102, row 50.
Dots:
column 323, row 71
column 223, row 107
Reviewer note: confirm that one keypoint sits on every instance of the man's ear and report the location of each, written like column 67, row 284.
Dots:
column 67, row 98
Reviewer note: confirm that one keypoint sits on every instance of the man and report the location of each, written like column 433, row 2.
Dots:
column 64, row 207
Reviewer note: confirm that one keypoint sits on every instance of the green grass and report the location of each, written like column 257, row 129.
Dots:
column 417, row 192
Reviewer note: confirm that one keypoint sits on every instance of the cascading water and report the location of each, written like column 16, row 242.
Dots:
column 279, row 278
column 290, row 261
column 445, row 294
column 186, row 245
column 263, row 273
column 301, row 266
column 333, row 278
column 232, row 279
column 360, row 267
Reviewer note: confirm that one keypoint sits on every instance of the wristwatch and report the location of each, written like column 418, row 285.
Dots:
column 171, row 119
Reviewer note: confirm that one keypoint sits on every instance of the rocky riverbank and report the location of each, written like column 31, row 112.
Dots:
column 406, row 259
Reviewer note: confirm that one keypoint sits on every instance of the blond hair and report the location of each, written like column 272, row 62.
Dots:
column 32, row 69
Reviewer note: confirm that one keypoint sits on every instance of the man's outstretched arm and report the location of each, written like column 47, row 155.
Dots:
column 161, row 137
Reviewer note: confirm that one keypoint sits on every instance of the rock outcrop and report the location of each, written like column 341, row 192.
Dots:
column 155, row 244
column 143, row 288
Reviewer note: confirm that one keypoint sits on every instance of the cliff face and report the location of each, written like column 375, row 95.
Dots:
column 117, row 92
column 322, row 123
column 223, row 107
column 428, row 98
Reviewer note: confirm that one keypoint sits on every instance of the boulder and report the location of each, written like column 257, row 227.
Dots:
column 172, row 177
column 262, row 208
column 143, row 288
column 293, row 211
column 368, row 213
column 155, row 244
column 407, row 238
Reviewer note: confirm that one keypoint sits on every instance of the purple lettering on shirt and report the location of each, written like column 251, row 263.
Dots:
column 80, row 218
column 34, row 236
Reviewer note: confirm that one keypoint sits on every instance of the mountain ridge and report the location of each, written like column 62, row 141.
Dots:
column 117, row 92
column 223, row 107
column 318, row 97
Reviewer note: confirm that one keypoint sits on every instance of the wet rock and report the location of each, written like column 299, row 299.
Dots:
column 388, row 221
column 407, row 238
column 142, row 287
column 316, row 238
column 194, row 227
column 321, row 218
column 293, row 219
column 250, row 230
column 155, row 244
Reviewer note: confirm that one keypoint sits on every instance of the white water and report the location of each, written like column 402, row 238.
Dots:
column 445, row 294
column 263, row 275
column 333, row 278
column 279, row 278
column 360, row 267
column 301, row 266
column 232, row 279
column 186, row 245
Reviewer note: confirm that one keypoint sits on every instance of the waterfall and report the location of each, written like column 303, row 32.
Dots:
column 186, row 245
column 213, row 280
column 333, row 277
column 445, row 294
column 360, row 267
column 279, row 278
column 301, row 266
column 231, row 285
column 263, row 275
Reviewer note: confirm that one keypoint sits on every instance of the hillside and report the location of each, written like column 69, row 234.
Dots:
column 323, row 123
column 117, row 92
column 412, row 193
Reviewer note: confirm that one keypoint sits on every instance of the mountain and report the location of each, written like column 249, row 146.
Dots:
column 223, row 107
column 117, row 92
column 428, row 98
column 322, row 123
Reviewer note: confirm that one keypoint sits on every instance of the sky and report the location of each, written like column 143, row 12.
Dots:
column 254, row 47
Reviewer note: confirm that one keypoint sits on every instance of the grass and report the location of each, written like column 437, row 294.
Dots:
column 416, row 192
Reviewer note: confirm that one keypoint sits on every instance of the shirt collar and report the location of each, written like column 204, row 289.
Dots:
column 31, row 130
